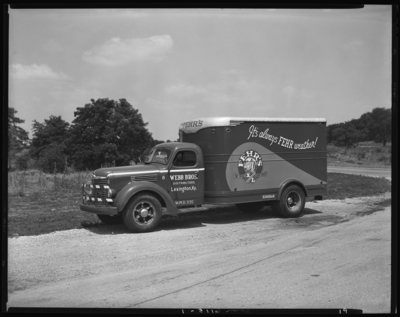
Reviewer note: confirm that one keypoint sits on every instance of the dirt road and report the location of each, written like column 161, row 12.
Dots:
column 337, row 255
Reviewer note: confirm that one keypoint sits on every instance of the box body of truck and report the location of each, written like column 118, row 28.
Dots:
column 253, row 159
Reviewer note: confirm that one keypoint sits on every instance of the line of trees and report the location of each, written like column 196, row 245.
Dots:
column 371, row 126
column 104, row 132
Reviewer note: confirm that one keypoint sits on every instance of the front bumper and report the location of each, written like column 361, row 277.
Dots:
column 100, row 210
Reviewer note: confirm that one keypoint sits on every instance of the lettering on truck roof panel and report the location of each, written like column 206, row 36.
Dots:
column 195, row 125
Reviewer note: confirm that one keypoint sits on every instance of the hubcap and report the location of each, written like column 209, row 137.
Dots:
column 144, row 213
column 293, row 201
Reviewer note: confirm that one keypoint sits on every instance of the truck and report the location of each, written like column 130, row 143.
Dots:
column 248, row 162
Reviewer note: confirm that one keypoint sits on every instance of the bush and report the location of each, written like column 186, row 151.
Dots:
column 52, row 160
column 21, row 162
column 333, row 151
column 382, row 158
column 360, row 156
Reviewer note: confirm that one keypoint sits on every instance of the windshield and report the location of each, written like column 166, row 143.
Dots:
column 158, row 155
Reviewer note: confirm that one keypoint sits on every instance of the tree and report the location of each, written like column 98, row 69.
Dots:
column 379, row 125
column 50, row 134
column 329, row 132
column 53, row 158
column 18, row 138
column 345, row 134
column 371, row 126
column 107, row 132
column 361, row 126
column 22, row 160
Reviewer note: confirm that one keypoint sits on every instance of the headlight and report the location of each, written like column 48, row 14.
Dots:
column 111, row 193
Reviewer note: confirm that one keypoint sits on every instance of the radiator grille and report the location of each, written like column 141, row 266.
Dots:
column 146, row 177
column 100, row 181
column 99, row 192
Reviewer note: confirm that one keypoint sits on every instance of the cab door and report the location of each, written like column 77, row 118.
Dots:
column 187, row 178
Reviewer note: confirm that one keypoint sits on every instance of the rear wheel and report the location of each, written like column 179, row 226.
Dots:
column 291, row 204
column 143, row 214
column 250, row 207
column 110, row 220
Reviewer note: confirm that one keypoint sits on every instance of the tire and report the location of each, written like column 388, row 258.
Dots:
column 250, row 207
column 111, row 220
column 143, row 214
column 291, row 204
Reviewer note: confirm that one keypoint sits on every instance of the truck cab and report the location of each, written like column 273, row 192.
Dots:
column 172, row 177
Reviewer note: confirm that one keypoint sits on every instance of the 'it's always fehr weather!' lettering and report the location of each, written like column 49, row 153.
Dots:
column 254, row 133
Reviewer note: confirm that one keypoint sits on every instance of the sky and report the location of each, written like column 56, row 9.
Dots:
column 176, row 65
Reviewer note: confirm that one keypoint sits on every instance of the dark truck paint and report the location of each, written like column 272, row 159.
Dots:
column 251, row 162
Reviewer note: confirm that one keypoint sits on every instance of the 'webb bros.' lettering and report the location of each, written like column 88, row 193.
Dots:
column 250, row 162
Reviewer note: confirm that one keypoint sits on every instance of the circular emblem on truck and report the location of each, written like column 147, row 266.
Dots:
column 250, row 166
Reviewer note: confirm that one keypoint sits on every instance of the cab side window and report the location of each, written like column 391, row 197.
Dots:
column 185, row 159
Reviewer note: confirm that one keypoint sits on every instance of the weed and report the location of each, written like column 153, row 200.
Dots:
column 17, row 183
column 382, row 158
column 333, row 151
column 36, row 196
column 361, row 156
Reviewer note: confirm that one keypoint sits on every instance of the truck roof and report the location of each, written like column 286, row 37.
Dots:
column 201, row 123
column 178, row 145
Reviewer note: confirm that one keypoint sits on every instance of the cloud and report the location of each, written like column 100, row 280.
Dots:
column 184, row 90
column 18, row 71
column 52, row 46
column 289, row 90
column 120, row 52
column 232, row 88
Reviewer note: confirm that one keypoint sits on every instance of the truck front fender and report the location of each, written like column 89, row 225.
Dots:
column 131, row 189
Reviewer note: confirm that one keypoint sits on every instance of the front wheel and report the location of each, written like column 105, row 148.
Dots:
column 143, row 214
column 292, row 202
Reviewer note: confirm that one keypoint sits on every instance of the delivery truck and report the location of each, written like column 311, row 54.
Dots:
column 248, row 162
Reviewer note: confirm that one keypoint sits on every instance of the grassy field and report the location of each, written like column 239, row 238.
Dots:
column 40, row 203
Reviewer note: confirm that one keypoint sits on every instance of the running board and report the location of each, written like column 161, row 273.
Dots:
column 192, row 209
